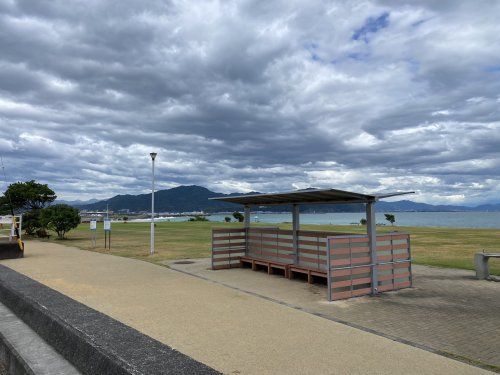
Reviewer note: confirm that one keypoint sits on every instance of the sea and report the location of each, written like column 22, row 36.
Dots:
column 413, row 219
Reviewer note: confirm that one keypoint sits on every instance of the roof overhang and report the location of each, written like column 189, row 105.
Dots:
column 307, row 196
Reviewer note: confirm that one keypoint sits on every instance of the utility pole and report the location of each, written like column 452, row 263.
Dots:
column 152, row 246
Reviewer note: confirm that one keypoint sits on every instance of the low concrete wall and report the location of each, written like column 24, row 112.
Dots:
column 93, row 342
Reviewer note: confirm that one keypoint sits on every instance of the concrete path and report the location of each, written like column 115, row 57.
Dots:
column 231, row 331
column 447, row 310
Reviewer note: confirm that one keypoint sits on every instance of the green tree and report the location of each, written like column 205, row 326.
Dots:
column 390, row 218
column 125, row 219
column 362, row 221
column 227, row 219
column 4, row 206
column 29, row 195
column 31, row 222
column 238, row 216
column 60, row 218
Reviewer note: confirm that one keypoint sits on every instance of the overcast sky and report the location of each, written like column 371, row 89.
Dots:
column 264, row 95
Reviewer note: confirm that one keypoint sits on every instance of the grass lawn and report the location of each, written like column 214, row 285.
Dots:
column 443, row 247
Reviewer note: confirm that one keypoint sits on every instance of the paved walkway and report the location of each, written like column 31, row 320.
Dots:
column 231, row 331
column 448, row 310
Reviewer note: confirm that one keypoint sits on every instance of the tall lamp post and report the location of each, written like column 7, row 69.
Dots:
column 152, row 247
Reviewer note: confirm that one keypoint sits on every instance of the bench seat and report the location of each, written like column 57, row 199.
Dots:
column 310, row 272
column 269, row 263
column 289, row 269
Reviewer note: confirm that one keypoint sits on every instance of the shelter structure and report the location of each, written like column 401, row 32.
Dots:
column 352, row 264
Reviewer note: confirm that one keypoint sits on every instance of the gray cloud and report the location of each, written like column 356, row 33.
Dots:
column 241, row 96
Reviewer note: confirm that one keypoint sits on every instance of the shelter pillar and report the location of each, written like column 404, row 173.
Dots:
column 372, row 242
column 295, row 231
column 246, row 221
column 246, row 224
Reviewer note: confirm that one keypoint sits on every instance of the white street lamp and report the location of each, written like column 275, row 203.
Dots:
column 152, row 247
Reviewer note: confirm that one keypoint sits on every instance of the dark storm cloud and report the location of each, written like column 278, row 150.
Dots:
column 241, row 96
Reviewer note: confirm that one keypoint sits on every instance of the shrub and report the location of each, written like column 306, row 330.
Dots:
column 60, row 218
column 198, row 218
column 31, row 222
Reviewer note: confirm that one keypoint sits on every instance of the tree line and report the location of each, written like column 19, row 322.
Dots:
column 33, row 200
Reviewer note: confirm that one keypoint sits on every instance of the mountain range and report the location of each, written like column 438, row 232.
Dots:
column 196, row 198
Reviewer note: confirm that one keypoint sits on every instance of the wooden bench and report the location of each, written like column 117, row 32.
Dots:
column 481, row 263
column 270, row 264
column 310, row 272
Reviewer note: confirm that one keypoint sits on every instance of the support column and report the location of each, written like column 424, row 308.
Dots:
column 372, row 242
column 246, row 221
column 295, row 230
column 246, row 224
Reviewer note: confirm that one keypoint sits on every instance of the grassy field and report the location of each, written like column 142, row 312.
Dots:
column 443, row 247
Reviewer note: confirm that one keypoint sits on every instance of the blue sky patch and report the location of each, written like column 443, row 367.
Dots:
column 371, row 26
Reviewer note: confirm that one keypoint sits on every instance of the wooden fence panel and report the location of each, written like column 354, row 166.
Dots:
column 350, row 265
column 272, row 244
column 228, row 245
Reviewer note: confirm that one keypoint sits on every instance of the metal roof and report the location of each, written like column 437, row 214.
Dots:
column 307, row 196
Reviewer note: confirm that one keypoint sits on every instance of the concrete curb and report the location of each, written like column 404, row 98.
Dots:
column 93, row 342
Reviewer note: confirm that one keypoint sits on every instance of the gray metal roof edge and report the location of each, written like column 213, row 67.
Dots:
column 395, row 194
column 294, row 192
column 364, row 197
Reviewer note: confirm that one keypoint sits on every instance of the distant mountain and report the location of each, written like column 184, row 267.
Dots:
column 179, row 199
column 406, row 205
column 488, row 207
column 196, row 198
column 77, row 202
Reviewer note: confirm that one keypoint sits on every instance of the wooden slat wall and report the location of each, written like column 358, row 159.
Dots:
column 271, row 244
column 312, row 249
column 228, row 245
column 277, row 245
column 351, row 265
column 393, row 257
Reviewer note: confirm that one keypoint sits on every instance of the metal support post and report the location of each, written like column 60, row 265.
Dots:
column 246, row 224
column 295, row 231
column 152, row 237
column 328, row 270
column 372, row 242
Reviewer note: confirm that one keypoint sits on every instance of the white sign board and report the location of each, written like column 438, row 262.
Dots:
column 107, row 225
column 93, row 225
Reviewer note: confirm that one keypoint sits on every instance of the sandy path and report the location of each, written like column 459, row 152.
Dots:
column 223, row 328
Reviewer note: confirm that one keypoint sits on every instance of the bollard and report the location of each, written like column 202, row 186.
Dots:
column 481, row 263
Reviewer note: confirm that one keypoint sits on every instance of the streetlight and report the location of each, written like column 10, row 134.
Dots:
column 152, row 247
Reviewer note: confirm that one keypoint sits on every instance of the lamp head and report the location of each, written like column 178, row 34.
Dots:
column 153, row 155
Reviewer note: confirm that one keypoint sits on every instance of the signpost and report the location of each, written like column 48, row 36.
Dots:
column 107, row 233
column 93, row 230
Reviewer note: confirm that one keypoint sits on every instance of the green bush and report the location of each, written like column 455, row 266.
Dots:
column 60, row 218
column 31, row 222
column 198, row 218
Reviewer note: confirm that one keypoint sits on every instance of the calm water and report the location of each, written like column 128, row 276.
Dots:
column 415, row 219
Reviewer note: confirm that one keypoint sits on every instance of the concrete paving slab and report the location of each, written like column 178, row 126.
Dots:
column 448, row 310
column 226, row 329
